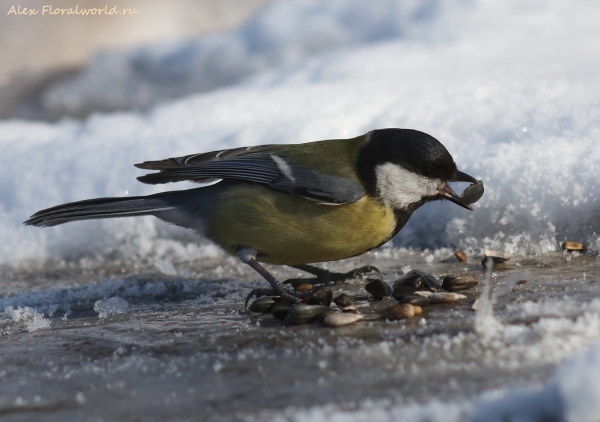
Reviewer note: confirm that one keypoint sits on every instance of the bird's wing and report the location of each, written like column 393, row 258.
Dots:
column 263, row 164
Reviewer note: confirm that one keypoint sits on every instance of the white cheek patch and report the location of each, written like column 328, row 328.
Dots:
column 399, row 187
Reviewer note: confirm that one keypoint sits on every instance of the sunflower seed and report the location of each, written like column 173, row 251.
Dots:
column 446, row 297
column 399, row 311
column 264, row 305
column 498, row 258
column 319, row 296
column 415, row 300
column 454, row 283
column 303, row 314
column 413, row 281
column 569, row 245
column 304, row 287
column 473, row 193
column 379, row 289
column 281, row 309
column 340, row 319
column 345, row 302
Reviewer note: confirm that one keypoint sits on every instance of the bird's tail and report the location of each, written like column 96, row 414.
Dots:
column 101, row 208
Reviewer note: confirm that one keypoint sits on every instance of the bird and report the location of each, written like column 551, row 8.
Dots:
column 292, row 204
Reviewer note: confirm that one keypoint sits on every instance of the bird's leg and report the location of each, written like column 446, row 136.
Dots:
column 248, row 256
column 326, row 276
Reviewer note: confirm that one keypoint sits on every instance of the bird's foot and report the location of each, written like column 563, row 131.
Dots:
column 326, row 276
column 282, row 292
column 248, row 256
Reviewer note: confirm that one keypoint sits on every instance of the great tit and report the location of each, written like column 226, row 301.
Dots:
column 292, row 204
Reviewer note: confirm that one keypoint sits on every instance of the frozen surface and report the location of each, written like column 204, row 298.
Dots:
column 510, row 87
column 185, row 349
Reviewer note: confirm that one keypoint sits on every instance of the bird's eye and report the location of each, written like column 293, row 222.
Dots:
column 427, row 171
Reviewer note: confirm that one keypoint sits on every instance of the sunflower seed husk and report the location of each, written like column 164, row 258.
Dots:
column 264, row 305
column 446, row 297
column 379, row 289
column 345, row 302
column 473, row 193
column 461, row 256
column 321, row 317
column 570, row 245
column 415, row 300
column 281, row 309
column 498, row 258
column 320, row 297
column 304, row 314
column 521, row 281
column 339, row 319
column 304, row 287
column 399, row 311
column 415, row 280
column 453, row 283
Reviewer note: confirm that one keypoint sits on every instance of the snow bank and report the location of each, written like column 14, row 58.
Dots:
column 549, row 403
column 512, row 92
column 571, row 395
column 283, row 33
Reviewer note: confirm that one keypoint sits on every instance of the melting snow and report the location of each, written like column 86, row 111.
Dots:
column 33, row 320
column 114, row 305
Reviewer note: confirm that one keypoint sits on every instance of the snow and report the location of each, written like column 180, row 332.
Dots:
column 284, row 33
column 33, row 320
column 57, row 301
column 577, row 382
column 112, row 306
column 474, row 90
column 165, row 267
column 571, row 395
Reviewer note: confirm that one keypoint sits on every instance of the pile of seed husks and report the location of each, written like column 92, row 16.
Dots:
column 413, row 291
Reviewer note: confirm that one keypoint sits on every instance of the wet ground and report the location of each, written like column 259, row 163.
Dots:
column 183, row 348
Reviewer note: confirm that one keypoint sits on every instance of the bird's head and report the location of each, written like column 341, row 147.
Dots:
column 406, row 168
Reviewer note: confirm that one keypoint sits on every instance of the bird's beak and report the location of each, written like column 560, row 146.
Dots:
column 464, row 177
column 446, row 191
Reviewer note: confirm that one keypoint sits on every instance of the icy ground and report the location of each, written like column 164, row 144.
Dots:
column 178, row 346
column 510, row 87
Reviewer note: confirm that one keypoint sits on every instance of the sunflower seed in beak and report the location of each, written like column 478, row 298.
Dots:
column 473, row 193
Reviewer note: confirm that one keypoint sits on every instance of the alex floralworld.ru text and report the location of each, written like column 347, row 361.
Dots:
column 50, row 10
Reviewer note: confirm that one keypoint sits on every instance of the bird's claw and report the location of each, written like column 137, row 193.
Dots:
column 281, row 292
column 360, row 272
column 326, row 276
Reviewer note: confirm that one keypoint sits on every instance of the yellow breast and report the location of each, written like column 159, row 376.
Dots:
column 289, row 230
